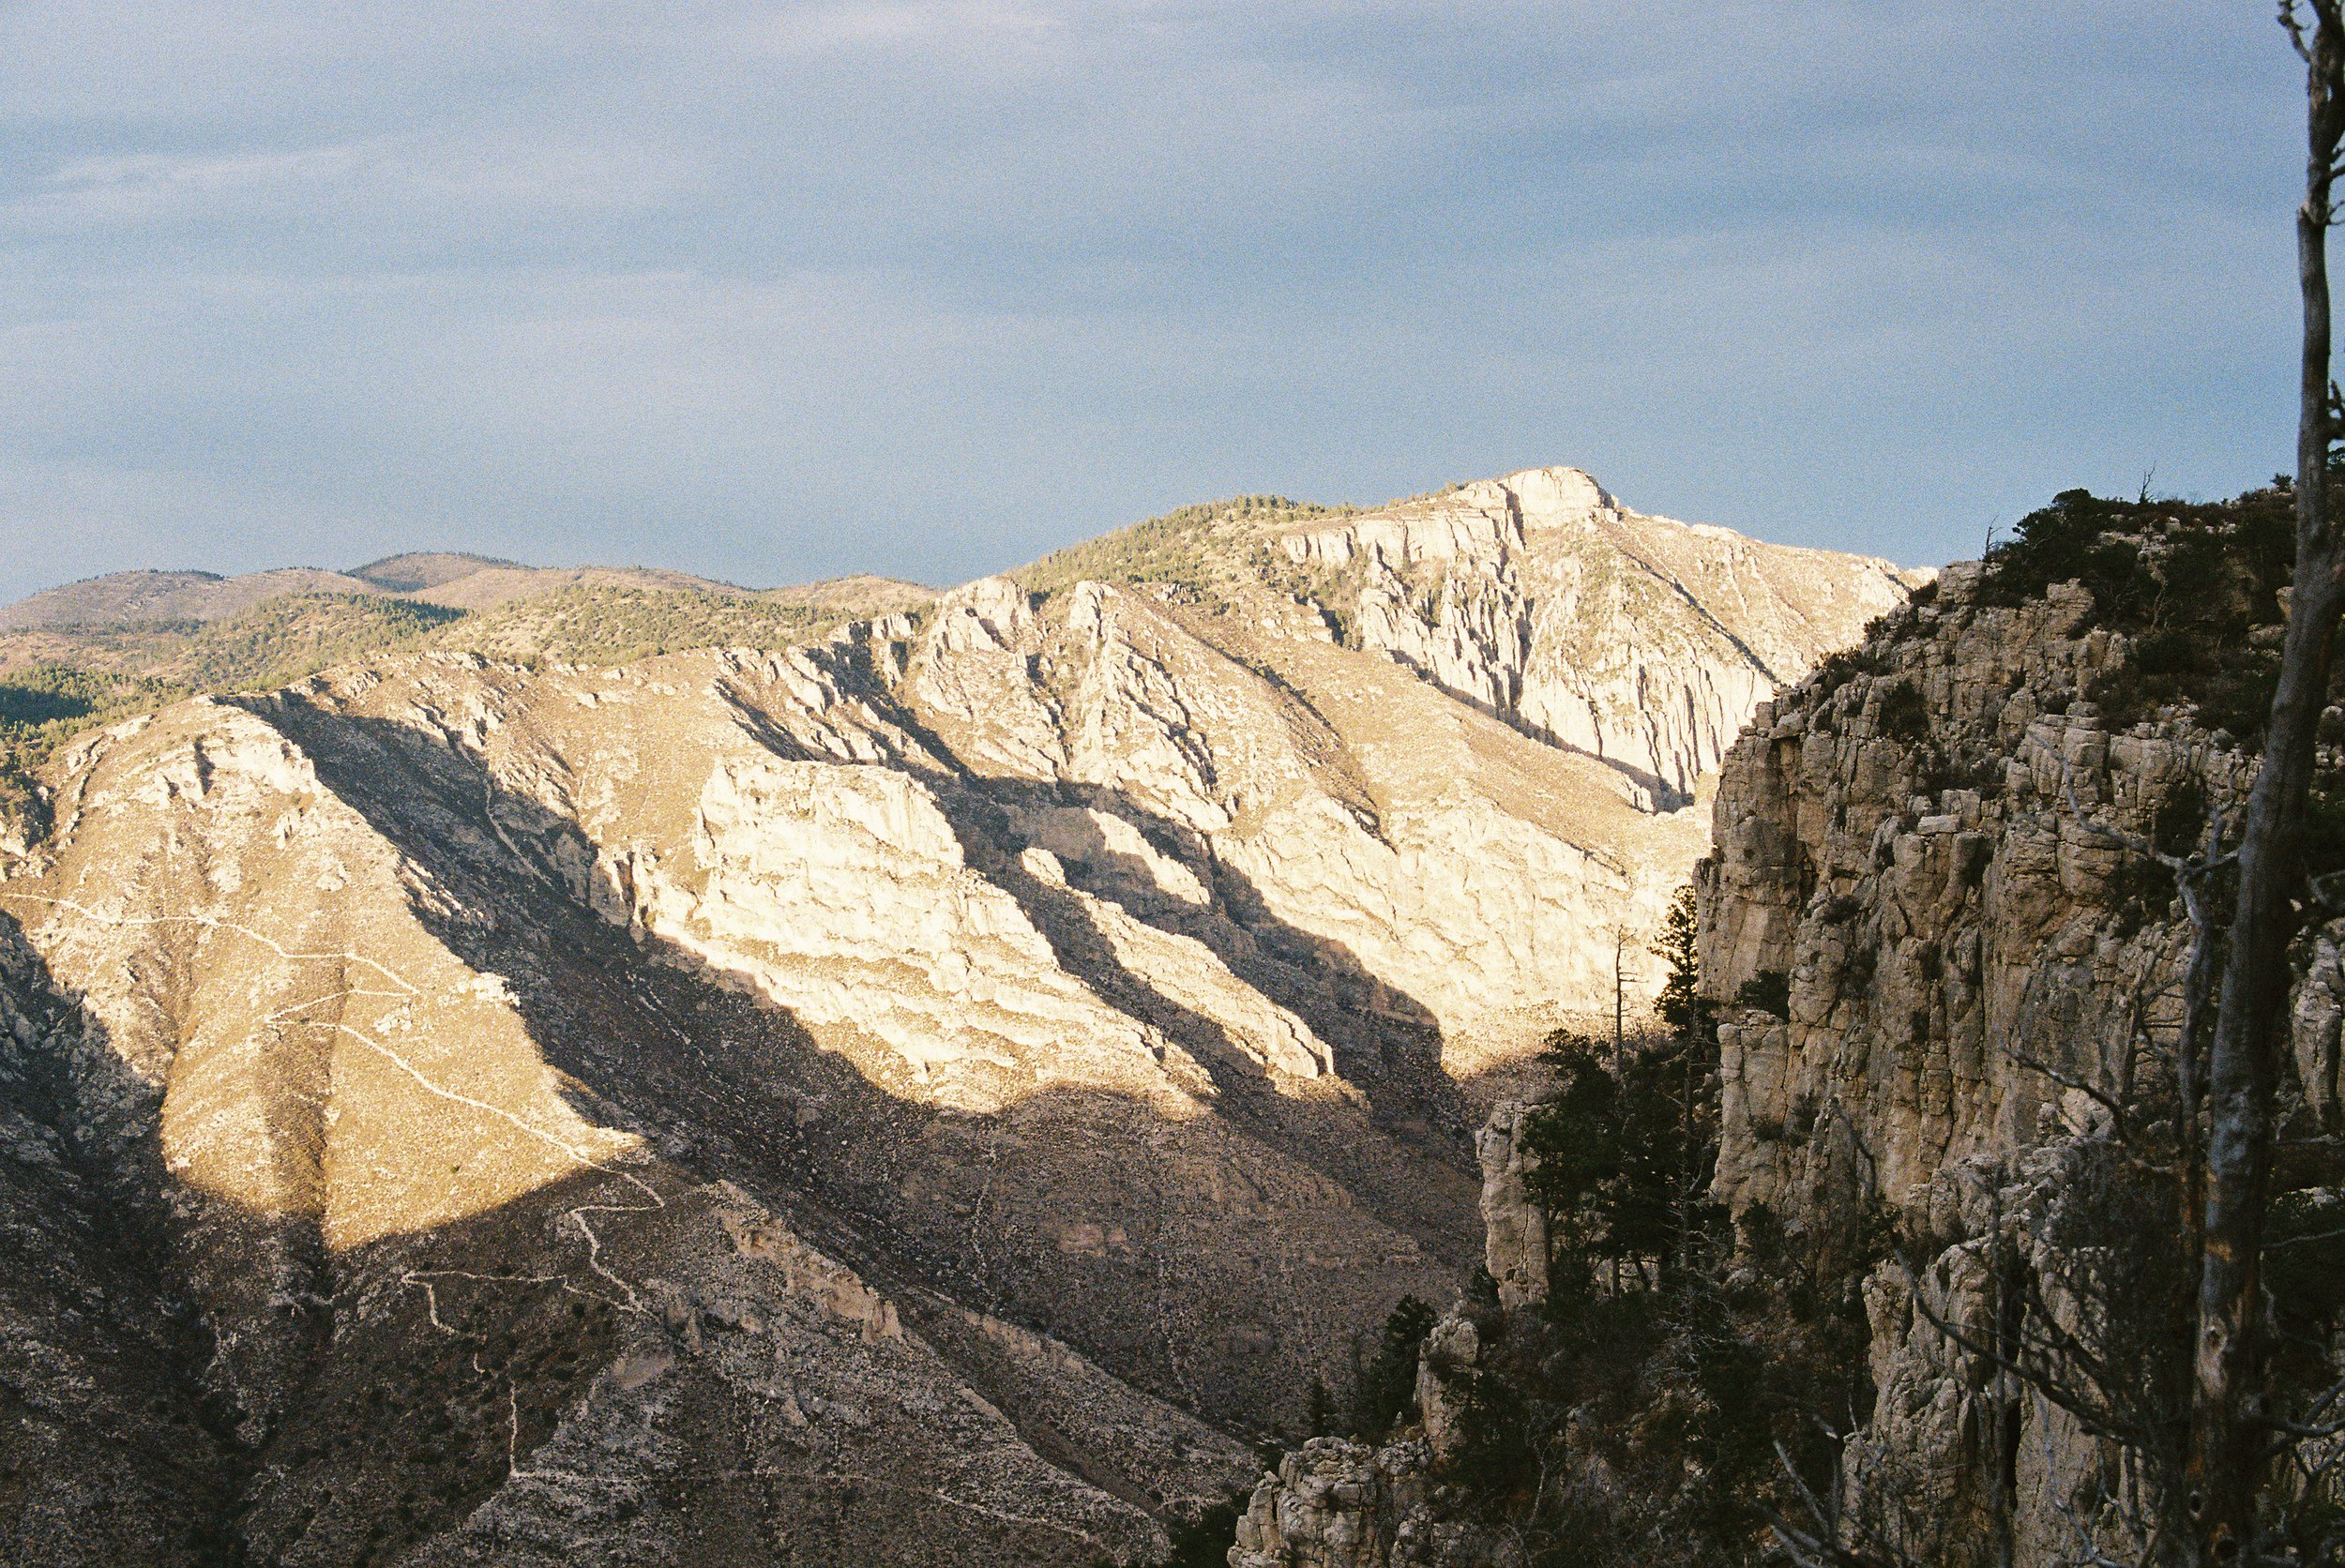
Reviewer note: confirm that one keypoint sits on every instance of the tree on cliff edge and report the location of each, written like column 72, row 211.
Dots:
column 2231, row 1426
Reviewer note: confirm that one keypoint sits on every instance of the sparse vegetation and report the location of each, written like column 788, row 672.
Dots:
column 1207, row 550
column 2194, row 587
column 612, row 624
column 1904, row 715
column 41, row 709
column 136, row 669
column 108, row 672
column 285, row 638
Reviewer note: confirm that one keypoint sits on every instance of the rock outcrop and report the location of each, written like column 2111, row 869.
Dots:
column 1335, row 1503
column 1636, row 640
column 1515, row 1246
column 1338, row 1502
column 1929, row 844
column 1944, row 958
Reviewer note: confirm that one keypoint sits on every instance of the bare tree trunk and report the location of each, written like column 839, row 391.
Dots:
column 2228, row 1422
column 1620, row 999
column 1620, row 1073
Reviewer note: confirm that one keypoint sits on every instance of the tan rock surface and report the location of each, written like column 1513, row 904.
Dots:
column 1961, row 933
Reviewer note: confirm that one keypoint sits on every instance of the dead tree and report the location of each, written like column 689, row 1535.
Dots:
column 2230, row 1424
column 2230, row 1088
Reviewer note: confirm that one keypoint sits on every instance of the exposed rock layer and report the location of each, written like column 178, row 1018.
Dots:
column 1932, row 847
column 1643, row 642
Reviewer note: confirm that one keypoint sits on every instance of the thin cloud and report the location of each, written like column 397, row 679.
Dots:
column 453, row 177
column 766, row 289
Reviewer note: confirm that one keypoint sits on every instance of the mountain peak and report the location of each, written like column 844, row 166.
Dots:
column 1556, row 495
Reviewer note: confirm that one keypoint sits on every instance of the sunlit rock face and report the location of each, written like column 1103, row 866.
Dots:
column 1638, row 639
column 924, row 1096
column 1941, row 897
column 1929, row 847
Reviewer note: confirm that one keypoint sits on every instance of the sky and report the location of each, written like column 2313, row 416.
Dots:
column 779, row 291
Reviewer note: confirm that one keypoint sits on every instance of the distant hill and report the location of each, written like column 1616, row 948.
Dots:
column 455, row 580
column 860, row 594
column 487, row 587
column 418, row 569
column 120, row 599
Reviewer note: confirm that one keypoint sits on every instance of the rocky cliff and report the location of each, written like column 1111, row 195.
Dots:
column 1539, row 597
column 1942, row 854
column 1950, row 973
column 1939, row 845
column 930, row 1095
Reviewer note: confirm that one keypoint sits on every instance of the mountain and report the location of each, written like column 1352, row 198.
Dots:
column 453, row 580
column 1540, row 601
column 935, row 1093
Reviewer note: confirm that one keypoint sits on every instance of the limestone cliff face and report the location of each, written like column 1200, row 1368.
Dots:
column 1638, row 639
column 1923, row 846
column 914, row 1097
column 1946, row 910
column 1920, row 841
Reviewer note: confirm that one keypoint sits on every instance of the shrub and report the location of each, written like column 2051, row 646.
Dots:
column 1769, row 991
column 2190, row 583
column 1904, row 715
column 2066, row 541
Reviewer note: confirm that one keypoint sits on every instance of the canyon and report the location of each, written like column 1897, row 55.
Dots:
column 942, row 1091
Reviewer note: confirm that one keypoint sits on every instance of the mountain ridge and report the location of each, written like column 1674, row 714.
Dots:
column 989, row 1057
column 452, row 579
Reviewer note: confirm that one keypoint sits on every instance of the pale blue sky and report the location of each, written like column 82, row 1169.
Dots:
column 778, row 291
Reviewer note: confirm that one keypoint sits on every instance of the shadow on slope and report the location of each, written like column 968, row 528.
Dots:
column 496, row 1388
column 1219, row 1263
column 114, row 1444
column 1381, row 1039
